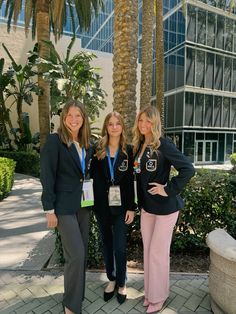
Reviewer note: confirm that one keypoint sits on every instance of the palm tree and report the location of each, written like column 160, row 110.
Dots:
column 125, row 60
column 45, row 14
column 147, row 52
column 160, row 60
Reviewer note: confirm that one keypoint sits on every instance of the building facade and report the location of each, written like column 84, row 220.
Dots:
column 200, row 79
column 200, row 74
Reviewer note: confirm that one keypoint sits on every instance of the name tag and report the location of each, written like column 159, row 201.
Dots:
column 151, row 165
column 114, row 196
column 87, row 194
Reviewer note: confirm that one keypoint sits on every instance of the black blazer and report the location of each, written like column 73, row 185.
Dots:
column 123, row 176
column 156, row 168
column 61, row 176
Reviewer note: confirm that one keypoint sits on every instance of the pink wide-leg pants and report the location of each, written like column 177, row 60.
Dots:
column 157, row 234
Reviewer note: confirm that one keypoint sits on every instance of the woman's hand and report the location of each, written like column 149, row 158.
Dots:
column 129, row 217
column 51, row 220
column 157, row 189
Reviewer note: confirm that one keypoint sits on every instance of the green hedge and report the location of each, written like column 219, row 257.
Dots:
column 26, row 162
column 7, row 168
column 209, row 204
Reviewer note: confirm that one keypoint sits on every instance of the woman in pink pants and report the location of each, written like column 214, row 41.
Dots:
column 158, row 200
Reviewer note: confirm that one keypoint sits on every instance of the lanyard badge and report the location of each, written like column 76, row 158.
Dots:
column 137, row 165
column 114, row 196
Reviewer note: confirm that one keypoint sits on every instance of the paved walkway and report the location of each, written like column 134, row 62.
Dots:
column 27, row 287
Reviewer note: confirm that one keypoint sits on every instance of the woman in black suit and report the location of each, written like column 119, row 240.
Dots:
column 158, row 200
column 112, row 170
column 65, row 162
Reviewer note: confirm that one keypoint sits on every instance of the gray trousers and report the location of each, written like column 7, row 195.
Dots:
column 74, row 231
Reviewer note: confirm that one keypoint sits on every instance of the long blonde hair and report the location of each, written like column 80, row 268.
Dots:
column 84, row 132
column 104, row 142
column 153, row 116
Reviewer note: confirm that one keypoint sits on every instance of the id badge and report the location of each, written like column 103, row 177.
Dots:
column 87, row 194
column 114, row 196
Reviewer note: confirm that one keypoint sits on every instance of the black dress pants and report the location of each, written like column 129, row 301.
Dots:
column 74, row 231
column 114, row 237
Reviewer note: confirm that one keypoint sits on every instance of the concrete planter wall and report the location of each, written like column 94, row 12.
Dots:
column 222, row 275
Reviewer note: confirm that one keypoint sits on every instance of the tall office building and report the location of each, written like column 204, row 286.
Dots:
column 200, row 73
column 200, row 78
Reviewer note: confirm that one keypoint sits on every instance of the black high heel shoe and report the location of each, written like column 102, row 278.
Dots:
column 108, row 295
column 121, row 297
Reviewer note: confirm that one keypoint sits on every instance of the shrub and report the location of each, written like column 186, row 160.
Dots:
column 7, row 168
column 208, row 205
column 233, row 161
column 26, row 162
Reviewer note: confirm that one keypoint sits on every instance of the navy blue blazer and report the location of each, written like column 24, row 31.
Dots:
column 156, row 168
column 61, row 176
column 123, row 176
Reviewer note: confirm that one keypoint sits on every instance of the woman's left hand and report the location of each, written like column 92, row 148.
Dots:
column 129, row 217
column 157, row 189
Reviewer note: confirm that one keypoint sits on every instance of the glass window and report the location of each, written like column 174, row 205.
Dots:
column 191, row 26
column 226, row 111
column 201, row 27
column 200, row 68
column 190, row 67
column 233, row 113
column 199, row 103
column 199, row 136
column 181, row 22
column 180, row 68
column 210, row 70
column 219, row 72
column 211, row 136
column 208, row 110
column 234, row 48
column 165, row 74
column 217, row 111
column 229, row 29
column 179, row 109
column 189, row 105
column 211, row 29
column 189, row 145
column 234, row 76
column 220, row 32
column 229, row 147
column 227, row 74
column 171, row 72
column 170, row 111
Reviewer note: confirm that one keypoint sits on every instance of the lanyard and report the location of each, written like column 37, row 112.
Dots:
column 82, row 161
column 111, row 165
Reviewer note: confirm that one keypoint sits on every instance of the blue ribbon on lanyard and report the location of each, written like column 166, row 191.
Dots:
column 82, row 161
column 111, row 164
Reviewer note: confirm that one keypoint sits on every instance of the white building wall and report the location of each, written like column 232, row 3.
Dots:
column 19, row 45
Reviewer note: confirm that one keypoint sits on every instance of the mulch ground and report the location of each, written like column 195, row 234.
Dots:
column 178, row 263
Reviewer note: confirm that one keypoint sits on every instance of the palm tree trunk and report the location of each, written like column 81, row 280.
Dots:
column 125, row 60
column 160, row 60
column 147, row 49
column 42, row 9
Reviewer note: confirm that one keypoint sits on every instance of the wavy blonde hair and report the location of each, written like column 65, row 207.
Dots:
column 104, row 142
column 153, row 116
column 65, row 133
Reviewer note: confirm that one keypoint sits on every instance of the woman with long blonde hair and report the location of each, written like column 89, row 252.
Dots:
column 158, row 200
column 112, row 171
column 65, row 163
